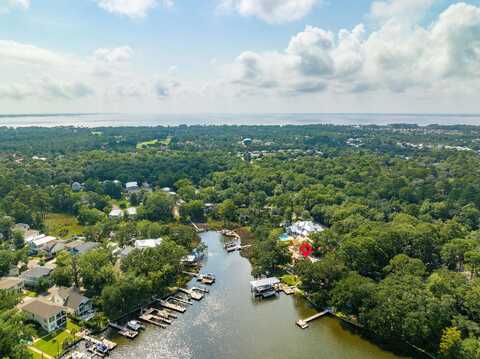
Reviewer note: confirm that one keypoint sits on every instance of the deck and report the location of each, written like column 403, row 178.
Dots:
column 303, row 323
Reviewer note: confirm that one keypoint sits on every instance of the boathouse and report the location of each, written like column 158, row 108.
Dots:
column 264, row 287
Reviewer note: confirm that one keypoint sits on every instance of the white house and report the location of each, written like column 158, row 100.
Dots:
column 132, row 187
column 131, row 212
column 147, row 243
column 50, row 316
column 304, row 228
column 116, row 214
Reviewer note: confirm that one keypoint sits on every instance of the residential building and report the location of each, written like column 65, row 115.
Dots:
column 13, row 284
column 132, row 187
column 73, row 301
column 33, row 276
column 116, row 214
column 131, row 212
column 304, row 228
column 80, row 247
column 50, row 316
column 38, row 243
column 147, row 243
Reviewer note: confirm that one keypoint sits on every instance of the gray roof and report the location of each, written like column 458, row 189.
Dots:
column 37, row 272
column 126, row 251
column 87, row 246
column 72, row 297
column 42, row 309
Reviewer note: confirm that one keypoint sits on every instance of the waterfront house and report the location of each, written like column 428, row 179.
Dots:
column 264, row 287
column 115, row 214
column 33, row 276
column 50, row 316
column 148, row 243
column 53, row 248
column 74, row 302
column 132, row 187
column 11, row 284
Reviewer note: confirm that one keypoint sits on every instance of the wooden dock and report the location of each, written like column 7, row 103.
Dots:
column 303, row 323
column 191, row 274
column 110, row 345
column 152, row 319
column 200, row 289
column 180, row 300
column 124, row 331
column 192, row 293
column 171, row 306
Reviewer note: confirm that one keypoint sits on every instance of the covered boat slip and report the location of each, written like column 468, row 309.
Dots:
column 264, row 287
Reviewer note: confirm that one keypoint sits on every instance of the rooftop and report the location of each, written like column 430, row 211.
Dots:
column 133, row 184
column 42, row 309
column 9, row 282
column 264, row 282
column 37, row 272
column 148, row 243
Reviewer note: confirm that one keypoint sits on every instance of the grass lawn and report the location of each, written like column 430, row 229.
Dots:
column 52, row 344
column 291, row 280
column 35, row 355
column 29, row 293
column 62, row 225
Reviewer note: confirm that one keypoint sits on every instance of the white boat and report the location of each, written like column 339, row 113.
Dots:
column 134, row 325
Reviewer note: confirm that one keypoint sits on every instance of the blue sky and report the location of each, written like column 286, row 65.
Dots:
column 239, row 55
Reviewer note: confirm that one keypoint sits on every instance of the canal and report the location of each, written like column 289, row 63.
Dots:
column 229, row 323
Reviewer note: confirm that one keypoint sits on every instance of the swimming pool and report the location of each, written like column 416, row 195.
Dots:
column 284, row 237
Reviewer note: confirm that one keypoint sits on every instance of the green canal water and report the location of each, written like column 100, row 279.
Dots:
column 229, row 323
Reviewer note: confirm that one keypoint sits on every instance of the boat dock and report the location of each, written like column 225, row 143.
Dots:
column 124, row 331
column 171, row 306
column 191, row 274
column 192, row 293
column 109, row 344
column 153, row 319
column 303, row 323
column 200, row 289
column 229, row 233
column 179, row 299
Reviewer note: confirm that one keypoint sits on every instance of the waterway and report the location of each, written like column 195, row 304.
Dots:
column 228, row 323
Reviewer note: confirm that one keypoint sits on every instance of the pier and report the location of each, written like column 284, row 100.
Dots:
column 109, row 344
column 192, row 293
column 200, row 289
column 124, row 331
column 175, row 307
column 303, row 323
column 180, row 300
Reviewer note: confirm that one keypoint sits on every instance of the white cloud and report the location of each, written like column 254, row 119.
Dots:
column 272, row 11
column 7, row 5
column 404, row 10
column 132, row 8
column 118, row 54
column 396, row 57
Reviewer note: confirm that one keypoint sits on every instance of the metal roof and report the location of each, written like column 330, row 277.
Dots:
column 264, row 282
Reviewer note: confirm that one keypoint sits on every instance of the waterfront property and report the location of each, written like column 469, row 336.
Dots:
column 115, row 214
column 50, row 316
column 73, row 301
column 132, row 187
column 79, row 247
column 264, row 287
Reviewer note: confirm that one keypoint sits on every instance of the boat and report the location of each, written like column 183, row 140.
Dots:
column 208, row 278
column 102, row 348
column 135, row 325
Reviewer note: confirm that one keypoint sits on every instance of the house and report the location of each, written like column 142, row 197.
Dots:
column 11, row 284
column 33, row 276
column 74, row 302
column 131, row 212
column 50, row 316
column 80, row 247
column 40, row 242
column 22, row 227
column 264, row 287
column 53, row 248
column 132, row 187
column 304, row 228
column 147, row 243
column 116, row 214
